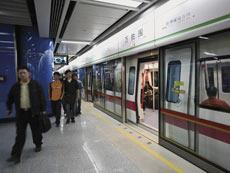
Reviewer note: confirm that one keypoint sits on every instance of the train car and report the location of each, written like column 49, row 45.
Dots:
column 171, row 74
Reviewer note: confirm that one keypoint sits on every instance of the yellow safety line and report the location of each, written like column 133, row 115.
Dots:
column 143, row 146
column 151, row 151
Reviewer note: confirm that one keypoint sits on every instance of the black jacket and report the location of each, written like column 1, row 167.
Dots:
column 37, row 99
column 70, row 89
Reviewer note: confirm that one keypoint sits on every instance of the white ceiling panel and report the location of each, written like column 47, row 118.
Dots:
column 69, row 49
column 89, row 21
column 100, row 11
column 43, row 8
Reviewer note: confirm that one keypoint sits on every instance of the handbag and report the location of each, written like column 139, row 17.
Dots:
column 45, row 122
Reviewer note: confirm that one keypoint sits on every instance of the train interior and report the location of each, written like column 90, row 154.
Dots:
column 148, row 94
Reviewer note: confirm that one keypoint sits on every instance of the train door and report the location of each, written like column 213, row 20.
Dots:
column 89, row 73
column 131, row 72
column 178, row 93
column 147, row 94
column 99, row 97
column 214, row 106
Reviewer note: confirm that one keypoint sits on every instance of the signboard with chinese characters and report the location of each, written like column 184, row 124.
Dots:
column 179, row 15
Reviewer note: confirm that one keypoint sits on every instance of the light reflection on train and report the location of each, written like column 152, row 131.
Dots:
column 192, row 93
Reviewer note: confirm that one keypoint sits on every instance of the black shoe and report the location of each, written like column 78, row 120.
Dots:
column 14, row 159
column 73, row 120
column 38, row 148
column 57, row 125
column 67, row 122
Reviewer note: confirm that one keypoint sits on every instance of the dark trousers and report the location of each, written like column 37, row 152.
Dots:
column 64, row 106
column 56, row 110
column 22, row 119
column 70, row 111
column 77, row 107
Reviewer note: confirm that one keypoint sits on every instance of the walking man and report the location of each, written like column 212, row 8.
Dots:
column 29, row 101
column 70, row 88
column 77, row 106
column 56, row 91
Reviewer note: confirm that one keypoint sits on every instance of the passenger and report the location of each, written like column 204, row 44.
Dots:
column 62, row 101
column 77, row 107
column 148, row 97
column 29, row 100
column 213, row 102
column 56, row 91
column 70, row 88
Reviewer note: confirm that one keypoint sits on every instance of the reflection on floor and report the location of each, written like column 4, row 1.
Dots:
column 151, row 119
column 95, row 143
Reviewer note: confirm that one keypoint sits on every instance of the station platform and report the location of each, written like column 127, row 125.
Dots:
column 94, row 143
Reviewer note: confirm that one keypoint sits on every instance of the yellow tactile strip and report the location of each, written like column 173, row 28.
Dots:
column 141, row 141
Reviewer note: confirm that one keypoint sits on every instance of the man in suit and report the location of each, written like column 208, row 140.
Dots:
column 29, row 100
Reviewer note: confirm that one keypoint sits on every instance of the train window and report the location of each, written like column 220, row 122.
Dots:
column 225, row 71
column 211, row 76
column 174, row 70
column 156, row 79
column 109, row 76
column 117, row 73
column 131, row 80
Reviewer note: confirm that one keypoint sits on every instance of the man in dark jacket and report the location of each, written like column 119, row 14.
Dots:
column 29, row 102
column 77, row 106
column 70, row 89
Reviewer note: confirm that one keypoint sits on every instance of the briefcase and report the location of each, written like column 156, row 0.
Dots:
column 45, row 122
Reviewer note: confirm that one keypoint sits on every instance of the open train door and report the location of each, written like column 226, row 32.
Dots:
column 147, row 92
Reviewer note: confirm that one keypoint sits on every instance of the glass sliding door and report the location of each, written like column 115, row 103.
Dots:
column 178, row 95
column 99, row 98
column 214, row 98
column 195, row 104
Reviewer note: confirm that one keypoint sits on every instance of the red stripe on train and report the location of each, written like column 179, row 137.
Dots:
column 131, row 105
column 204, row 127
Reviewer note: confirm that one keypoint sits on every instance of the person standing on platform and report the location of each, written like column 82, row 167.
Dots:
column 56, row 91
column 30, row 103
column 70, row 88
column 77, row 106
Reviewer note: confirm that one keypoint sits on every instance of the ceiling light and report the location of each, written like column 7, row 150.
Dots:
column 210, row 54
column 202, row 37
column 127, row 3
column 75, row 42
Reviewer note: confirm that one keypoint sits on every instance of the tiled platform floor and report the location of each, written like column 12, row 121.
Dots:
column 95, row 143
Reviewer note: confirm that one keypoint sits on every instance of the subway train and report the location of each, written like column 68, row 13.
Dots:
column 183, row 79
column 174, row 82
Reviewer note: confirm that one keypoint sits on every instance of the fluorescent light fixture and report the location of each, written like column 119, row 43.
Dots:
column 202, row 37
column 127, row 3
column 210, row 54
column 75, row 42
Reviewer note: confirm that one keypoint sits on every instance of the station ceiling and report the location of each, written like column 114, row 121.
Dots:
column 74, row 25
column 78, row 24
